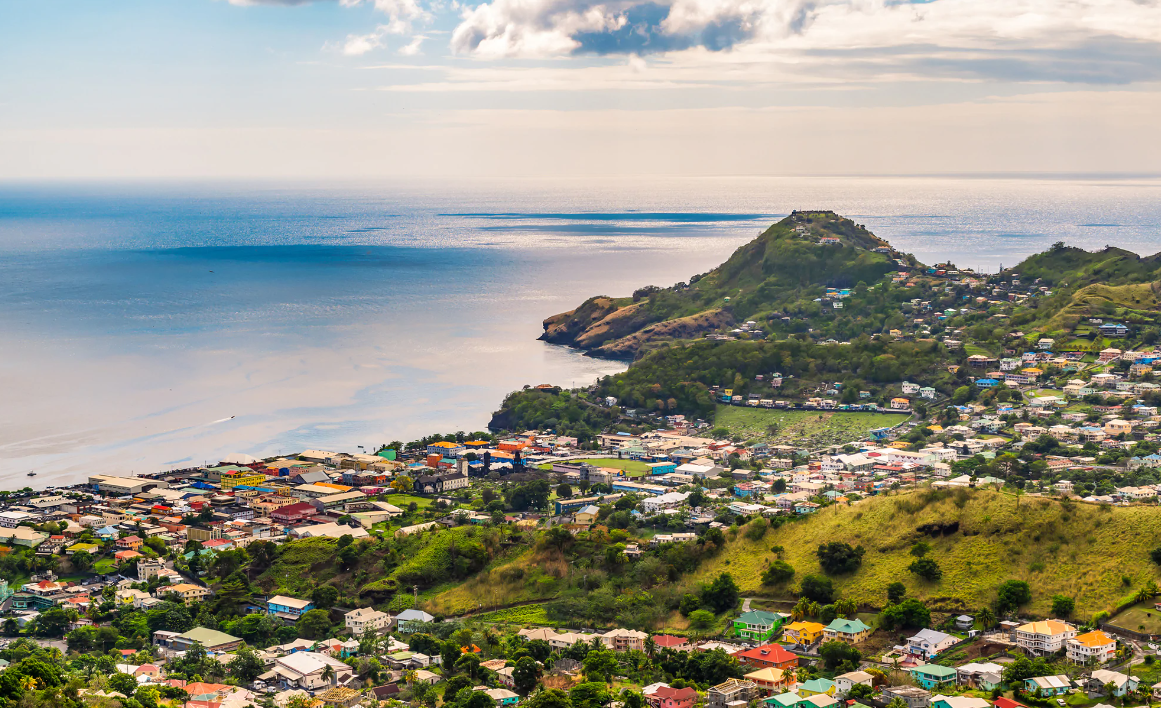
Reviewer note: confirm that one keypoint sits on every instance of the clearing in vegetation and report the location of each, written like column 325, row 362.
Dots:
column 803, row 428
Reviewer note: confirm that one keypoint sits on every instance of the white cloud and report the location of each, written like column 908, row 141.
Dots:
column 412, row 49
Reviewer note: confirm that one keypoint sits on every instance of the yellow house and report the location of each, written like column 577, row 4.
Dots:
column 804, row 633
column 234, row 478
column 188, row 591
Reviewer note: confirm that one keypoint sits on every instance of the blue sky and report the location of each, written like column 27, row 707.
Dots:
column 349, row 88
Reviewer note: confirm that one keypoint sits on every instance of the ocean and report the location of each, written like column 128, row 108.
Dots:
column 149, row 327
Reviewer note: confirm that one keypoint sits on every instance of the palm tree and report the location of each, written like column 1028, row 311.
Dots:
column 986, row 617
column 328, row 674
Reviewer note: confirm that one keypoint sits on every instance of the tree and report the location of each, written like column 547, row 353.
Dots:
column 1012, row 594
column 564, row 491
column 549, row 698
column 777, row 573
column 926, row 568
column 1062, row 606
column 722, row 594
column 469, row 664
column 314, row 624
column 124, row 684
column 600, row 665
column 839, row 557
column 896, row 592
column 324, row 597
column 558, row 537
column 908, row 613
column 818, row 588
column 525, row 675
column 454, row 685
column 835, row 653
column 479, row 699
column 82, row 561
column 701, row 619
column 986, row 618
column 246, row 665
column 860, row 690
column 539, row 649
column 588, row 695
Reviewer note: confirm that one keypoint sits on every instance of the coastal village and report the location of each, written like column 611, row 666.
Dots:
column 434, row 572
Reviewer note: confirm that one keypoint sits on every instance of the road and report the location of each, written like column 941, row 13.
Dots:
column 745, row 604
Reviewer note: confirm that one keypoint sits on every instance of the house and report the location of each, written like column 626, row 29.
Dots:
column 288, row 608
column 731, row 691
column 900, row 404
column 668, row 641
column 772, row 680
column 1095, row 646
column 304, row 669
column 1048, row 685
column 408, row 620
column 804, row 633
column 847, row 631
column 843, row 683
column 667, row 697
column 1046, row 637
column 983, row 677
column 769, row 655
column 364, row 618
column 929, row 642
column 758, row 625
column 502, row 696
column 211, row 639
column 964, row 622
column 912, row 696
column 624, row 639
column 186, row 591
column 1121, row 684
column 932, row 676
column 816, row 686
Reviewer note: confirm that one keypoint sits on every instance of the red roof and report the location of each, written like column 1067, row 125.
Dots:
column 666, row 640
column 675, row 693
column 770, row 653
column 1007, row 703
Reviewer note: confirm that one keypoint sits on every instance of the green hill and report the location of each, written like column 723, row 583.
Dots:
column 789, row 264
column 1098, row 555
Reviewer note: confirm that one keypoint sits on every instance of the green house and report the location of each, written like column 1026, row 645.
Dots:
column 758, row 625
column 932, row 676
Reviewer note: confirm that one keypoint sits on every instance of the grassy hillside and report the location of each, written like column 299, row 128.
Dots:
column 1083, row 551
column 1134, row 304
column 1075, row 267
column 808, row 428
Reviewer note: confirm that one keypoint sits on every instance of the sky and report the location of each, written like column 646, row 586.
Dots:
column 354, row 89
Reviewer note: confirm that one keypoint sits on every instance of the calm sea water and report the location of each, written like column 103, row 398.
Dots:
column 148, row 327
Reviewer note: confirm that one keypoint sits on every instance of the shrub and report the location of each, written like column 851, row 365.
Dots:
column 779, row 572
column 839, row 557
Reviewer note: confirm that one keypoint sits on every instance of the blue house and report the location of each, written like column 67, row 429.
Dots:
column 288, row 608
column 106, row 534
column 1048, row 685
column 987, row 383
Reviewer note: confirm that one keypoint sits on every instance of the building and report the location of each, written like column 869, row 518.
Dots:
column 293, row 513
column 1048, row 685
column 304, row 669
column 624, row 639
column 730, row 692
column 288, row 608
column 186, row 591
column 114, row 485
column 929, row 642
column 847, row 631
column 668, row 697
column 913, row 696
column 364, row 618
column 1095, row 646
column 983, row 677
column 772, row 680
column 768, row 656
column 407, row 621
column 758, row 625
column 843, row 683
column 1046, row 637
column 804, row 633
column 1099, row 680
column 816, row 687
column 210, row 639
column 941, row 701
column 933, row 676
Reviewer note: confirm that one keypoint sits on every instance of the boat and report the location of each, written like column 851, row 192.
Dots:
column 31, row 474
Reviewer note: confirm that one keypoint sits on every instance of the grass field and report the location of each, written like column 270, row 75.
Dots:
column 1081, row 551
column 633, row 468
column 807, row 428
column 402, row 500
column 1139, row 618
column 525, row 614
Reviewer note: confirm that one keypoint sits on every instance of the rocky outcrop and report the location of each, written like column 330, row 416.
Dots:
column 630, row 346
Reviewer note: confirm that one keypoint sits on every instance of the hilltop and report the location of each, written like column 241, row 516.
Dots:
column 787, row 266
column 1098, row 555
